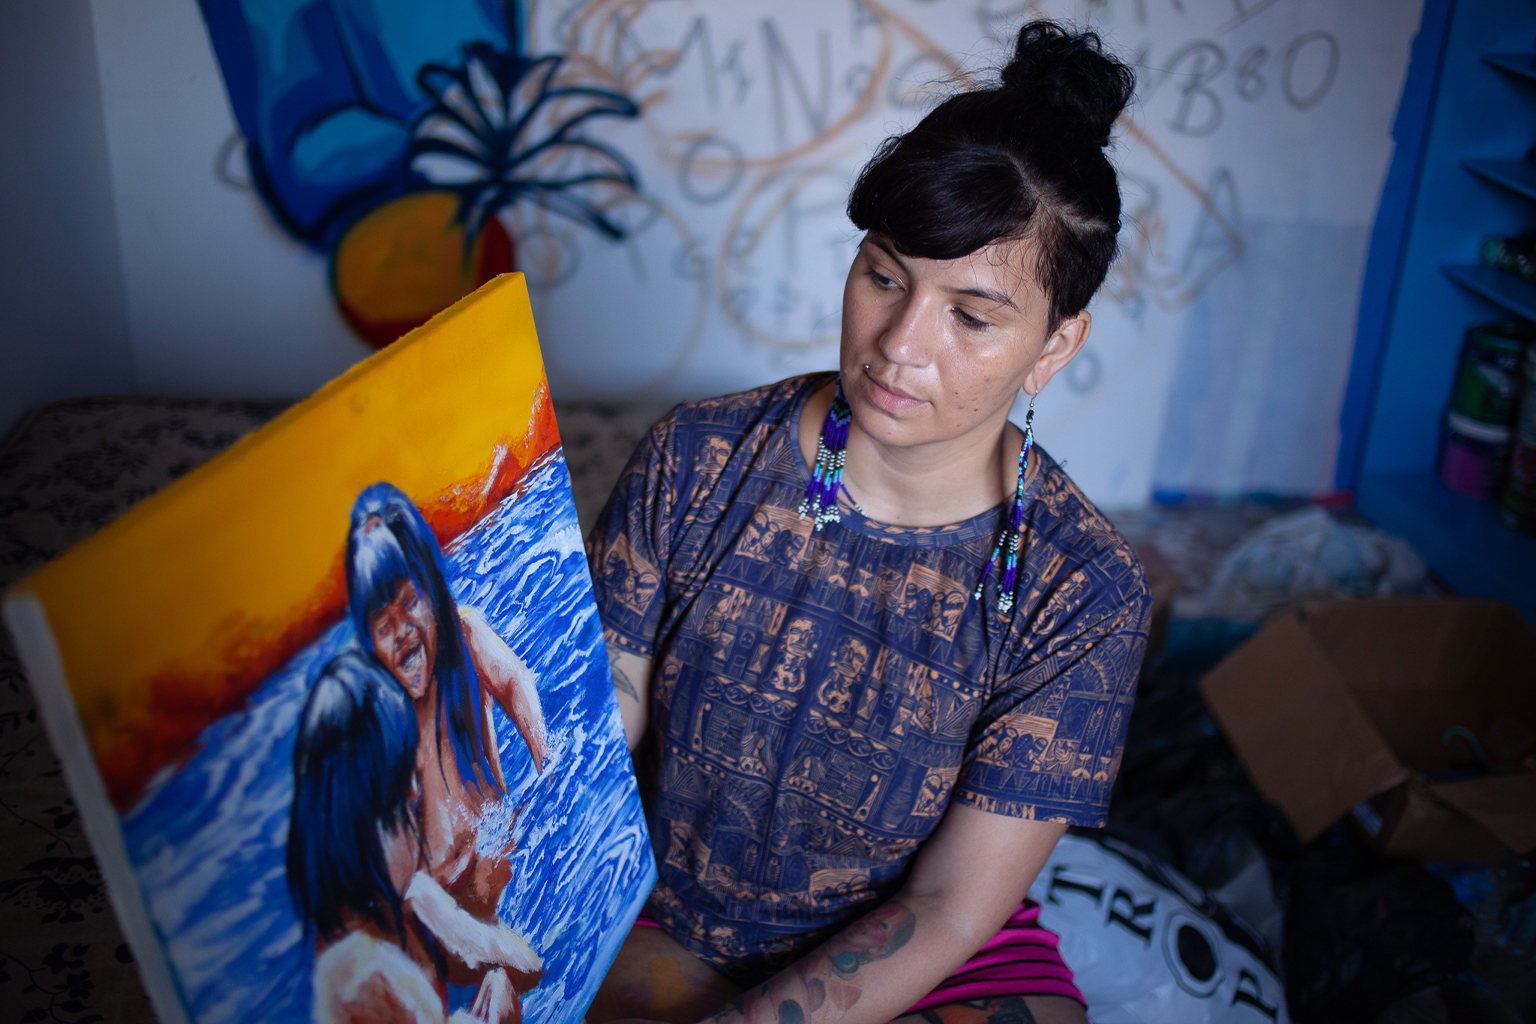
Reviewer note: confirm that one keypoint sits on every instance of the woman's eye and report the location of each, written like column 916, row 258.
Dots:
column 975, row 323
column 882, row 282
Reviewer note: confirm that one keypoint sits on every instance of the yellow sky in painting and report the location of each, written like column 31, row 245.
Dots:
column 233, row 555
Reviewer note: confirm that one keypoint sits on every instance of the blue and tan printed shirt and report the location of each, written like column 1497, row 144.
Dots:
column 819, row 698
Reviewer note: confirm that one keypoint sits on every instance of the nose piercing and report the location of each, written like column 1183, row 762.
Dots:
column 866, row 366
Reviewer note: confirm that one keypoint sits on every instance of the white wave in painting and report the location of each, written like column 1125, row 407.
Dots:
column 208, row 844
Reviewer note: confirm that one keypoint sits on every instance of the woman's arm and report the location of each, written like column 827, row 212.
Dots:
column 966, row 881
column 468, row 940
column 507, row 680
column 632, row 686
column 495, row 1003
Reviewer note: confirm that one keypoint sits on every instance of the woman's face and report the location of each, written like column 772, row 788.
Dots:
column 404, row 635
column 933, row 350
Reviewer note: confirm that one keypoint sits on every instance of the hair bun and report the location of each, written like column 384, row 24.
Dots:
column 1069, row 81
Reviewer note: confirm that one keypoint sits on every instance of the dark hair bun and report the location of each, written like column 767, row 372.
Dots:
column 1068, row 81
column 1022, row 160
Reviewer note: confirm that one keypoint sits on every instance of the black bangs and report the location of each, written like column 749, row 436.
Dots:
column 941, row 204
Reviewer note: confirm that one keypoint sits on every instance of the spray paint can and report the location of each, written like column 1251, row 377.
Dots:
column 1518, row 504
column 1472, row 457
column 1488, row 377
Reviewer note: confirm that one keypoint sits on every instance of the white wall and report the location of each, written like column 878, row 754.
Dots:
column 63, row 331
column 1232, row 182
column 220, row 301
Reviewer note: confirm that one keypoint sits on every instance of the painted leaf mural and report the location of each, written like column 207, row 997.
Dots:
column 391, row 133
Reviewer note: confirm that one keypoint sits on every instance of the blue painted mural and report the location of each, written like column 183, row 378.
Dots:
column 389, row 134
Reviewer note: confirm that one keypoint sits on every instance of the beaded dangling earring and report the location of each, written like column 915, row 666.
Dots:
column 1012, row 538
column 827, row 477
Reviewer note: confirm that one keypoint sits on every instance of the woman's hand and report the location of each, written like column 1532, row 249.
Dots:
column 495, row 1002
column 474, row 943
column 507, row 680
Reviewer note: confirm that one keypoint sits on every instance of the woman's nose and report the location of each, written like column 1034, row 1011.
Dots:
column 907, row 340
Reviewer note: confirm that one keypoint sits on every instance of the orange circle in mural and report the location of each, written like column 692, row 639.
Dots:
column 404, row 262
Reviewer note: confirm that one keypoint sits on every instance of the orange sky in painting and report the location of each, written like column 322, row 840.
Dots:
column 170, row 617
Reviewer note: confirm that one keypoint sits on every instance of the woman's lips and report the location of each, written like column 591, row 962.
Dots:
column 412, row 657
column 889, row 398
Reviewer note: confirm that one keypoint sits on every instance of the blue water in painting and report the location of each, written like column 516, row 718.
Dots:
column 208, row 844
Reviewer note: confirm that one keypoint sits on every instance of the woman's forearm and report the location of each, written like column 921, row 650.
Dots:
column 475, row 943
column 870, row 972
column 507, row 679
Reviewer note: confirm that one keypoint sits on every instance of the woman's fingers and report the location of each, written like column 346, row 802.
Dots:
column 496, row 1001
column 463, row 936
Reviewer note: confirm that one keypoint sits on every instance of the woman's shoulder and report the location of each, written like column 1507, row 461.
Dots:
column 1078, row 539
column 709, row 435
column 740, row 411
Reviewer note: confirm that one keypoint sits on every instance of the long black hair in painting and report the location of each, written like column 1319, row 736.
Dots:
column 1022, row 160
column 353, row 763
column 390, row 544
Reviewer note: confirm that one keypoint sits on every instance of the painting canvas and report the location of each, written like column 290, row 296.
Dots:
column 336, row 710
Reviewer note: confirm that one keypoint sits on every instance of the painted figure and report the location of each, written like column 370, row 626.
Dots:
column 453, row 666
column 387, row 936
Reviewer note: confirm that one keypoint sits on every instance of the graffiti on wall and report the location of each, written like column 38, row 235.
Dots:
column 683, row 165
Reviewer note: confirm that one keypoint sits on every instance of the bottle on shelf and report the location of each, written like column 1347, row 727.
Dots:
column 1475, row 443
column 1517, row 508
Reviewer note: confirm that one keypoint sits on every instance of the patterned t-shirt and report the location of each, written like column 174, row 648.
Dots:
column 819, row 698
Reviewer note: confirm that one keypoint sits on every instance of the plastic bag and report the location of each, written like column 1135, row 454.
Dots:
column 1308, row 554
column 1147, row 944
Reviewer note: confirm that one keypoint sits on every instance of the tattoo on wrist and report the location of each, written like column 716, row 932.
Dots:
column 621, row 680
column 877, row 935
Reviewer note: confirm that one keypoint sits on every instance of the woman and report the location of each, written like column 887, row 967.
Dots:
column 873, row 649
column 448, row 659
column 386, row 935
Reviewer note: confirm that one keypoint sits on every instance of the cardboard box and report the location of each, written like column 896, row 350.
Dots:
column 1345, row 705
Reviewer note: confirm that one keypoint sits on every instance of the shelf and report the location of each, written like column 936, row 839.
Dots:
column 1507, row 290
column 1462, row 540
column 1515, row 175
column 1515, row 63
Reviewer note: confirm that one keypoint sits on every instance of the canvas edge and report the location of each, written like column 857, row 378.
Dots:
column 27, row 620
column 609, row 951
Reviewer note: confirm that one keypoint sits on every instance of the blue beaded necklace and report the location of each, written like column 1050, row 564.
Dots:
column 820, row 502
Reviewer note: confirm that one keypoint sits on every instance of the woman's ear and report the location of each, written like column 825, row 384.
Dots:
column 1064, row 343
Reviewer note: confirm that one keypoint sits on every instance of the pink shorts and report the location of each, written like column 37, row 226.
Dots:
column 1020, row 960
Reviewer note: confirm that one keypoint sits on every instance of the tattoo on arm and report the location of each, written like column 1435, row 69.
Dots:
column 826, row 976
column 876, row 936
column 621, row 680
column 791, row 1013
